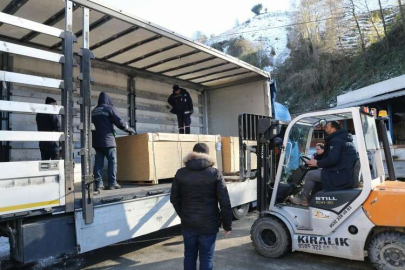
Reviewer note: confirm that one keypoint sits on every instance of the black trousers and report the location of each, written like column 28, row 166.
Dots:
column 49, row 155
column 184, row 121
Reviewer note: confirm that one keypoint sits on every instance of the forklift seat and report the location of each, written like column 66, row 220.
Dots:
column 358, row 178
column 334, row 200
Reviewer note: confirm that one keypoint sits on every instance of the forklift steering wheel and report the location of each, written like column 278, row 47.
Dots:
column 305, row 159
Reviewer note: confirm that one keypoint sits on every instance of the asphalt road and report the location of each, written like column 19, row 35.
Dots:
column 164, row 250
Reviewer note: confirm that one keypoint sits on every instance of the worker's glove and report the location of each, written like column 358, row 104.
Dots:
column 188, row 112
column 131, row 131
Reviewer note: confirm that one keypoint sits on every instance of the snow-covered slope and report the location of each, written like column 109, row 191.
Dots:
column 268, row 31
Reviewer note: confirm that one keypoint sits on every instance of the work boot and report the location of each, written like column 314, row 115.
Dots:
column 114, row 186
column 300, row 200
column 187, row 130
column 98, row 186
column 181, row 130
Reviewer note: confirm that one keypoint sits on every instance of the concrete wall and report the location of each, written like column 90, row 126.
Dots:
column 151, row 101
column 225, row 104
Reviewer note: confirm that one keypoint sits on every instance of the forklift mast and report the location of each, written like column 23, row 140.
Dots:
column 268, row 134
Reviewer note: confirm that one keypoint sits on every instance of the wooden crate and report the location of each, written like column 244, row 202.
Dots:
column 152, row 156
column 230, row 155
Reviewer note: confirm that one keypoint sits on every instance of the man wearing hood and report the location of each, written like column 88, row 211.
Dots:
column 104, row 117
column 337, row 168
column 182, row 106
column 49, row 122
column 197, row 190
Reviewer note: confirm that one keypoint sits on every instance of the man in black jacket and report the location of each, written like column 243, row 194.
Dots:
column 196, row 191
column 104, row 117
column 337, row 168
column 182, row 106
column 49, row 122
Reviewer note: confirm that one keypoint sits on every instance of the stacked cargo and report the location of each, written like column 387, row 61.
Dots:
column 230, row 155
column 150, row 157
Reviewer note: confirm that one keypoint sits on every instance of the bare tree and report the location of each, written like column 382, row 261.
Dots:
column 384, row 24
column 370, row 16
column 363, row 44
column 402, row 11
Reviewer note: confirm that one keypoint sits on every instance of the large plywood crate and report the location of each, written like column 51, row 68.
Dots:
column 230, row 155
column 152, row 156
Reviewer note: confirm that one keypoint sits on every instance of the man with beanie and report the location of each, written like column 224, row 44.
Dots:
column 104, row 117
column 49, row 122
column 182, row 106
column 197, row 190
column 340, row 157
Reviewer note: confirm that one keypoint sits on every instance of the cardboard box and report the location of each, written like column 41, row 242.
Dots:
column 230, row 155
column 152, row 156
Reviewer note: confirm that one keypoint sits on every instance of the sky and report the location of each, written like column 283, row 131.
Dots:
column 188, row 16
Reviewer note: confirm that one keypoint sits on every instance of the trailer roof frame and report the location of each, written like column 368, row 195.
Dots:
column 155, row 49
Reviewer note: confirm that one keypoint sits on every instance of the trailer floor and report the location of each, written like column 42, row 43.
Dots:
column 130, row 191
column 126, row 192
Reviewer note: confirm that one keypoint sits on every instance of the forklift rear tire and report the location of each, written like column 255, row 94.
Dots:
column 270, row 237
column 240, row 211
column 386, row 251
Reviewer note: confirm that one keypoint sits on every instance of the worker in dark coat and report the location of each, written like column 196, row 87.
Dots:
column 182, row 106
column 49, row 123
column 337, row 166
column 104, row 118
column 197, row 190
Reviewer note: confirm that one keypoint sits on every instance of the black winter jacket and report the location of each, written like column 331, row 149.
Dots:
column 196, row 191
column 338, row 166
column 48, row 122
column 104, row 117
column 319, row 157
column 181, row 103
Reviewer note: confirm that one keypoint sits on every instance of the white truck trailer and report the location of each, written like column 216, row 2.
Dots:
column 72, row 50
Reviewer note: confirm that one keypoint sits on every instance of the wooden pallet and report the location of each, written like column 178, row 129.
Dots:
column 146, row 182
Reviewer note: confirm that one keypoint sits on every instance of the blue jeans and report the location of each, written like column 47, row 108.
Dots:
column 111, row 154
column 198, row 245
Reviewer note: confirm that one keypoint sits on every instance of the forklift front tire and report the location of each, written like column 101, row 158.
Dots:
column 270, row 237
column 387, row 251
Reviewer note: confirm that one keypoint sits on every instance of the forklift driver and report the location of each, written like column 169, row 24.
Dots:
column 337, row 166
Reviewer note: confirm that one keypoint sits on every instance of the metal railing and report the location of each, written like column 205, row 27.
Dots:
column 65, row 85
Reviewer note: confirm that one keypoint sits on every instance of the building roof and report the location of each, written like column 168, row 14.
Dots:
column 384, row 90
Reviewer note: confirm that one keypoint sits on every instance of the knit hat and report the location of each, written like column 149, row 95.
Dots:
column 175, row 87
column 49, row 100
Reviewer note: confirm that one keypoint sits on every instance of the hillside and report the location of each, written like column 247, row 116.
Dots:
column 308, row 82
column 264, row 31
column 315, row 55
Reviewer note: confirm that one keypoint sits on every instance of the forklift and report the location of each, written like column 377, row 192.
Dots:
column 366, row 220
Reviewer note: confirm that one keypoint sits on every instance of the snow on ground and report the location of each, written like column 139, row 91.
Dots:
column 268, row 30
